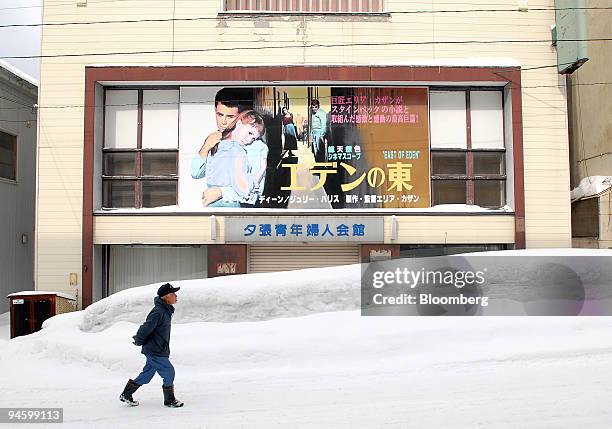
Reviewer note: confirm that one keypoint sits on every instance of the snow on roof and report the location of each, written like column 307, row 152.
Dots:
column 42, row 292
column 591, row 186
column 20, row 74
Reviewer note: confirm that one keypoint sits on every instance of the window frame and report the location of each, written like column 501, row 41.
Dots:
column 138, row 178
column 470, row 177
column 301, row 10
column 15, row 158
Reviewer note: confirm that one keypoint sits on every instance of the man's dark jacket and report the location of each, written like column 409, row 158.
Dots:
column 154, row 334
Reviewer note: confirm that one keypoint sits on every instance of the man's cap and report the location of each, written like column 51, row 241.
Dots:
column 165, row 289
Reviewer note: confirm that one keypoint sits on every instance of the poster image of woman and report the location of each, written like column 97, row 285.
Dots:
column 235, row 167
column 289, row 132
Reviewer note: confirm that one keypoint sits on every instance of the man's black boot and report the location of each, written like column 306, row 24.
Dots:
column 129, row 390
column 169, row 399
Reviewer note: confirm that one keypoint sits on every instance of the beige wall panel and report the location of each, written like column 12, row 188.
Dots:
column 605, row 203
column 156, row 230
column 605, row 218
column 452, row 229
column 605, row 244
column 586, row 243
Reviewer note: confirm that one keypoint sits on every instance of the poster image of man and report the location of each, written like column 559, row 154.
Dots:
column 233, row 158
column 318, row 129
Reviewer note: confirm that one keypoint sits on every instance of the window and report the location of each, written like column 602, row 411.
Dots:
column 305, row 6
column 140, row 155
column 8, row 156
column 467, row 147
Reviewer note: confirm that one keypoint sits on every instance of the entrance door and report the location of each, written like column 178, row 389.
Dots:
column 42, row 311
column 28, row 315
column 19, row 318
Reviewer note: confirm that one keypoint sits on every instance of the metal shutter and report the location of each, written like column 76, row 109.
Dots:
column 142, row 265
column 265, row 258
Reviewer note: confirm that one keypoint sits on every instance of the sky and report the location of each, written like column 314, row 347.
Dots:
column 21, row 41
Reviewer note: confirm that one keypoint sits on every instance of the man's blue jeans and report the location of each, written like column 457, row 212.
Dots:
column 158, row 364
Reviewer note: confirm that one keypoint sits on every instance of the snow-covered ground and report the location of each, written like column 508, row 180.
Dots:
column 261, row 351
column 5, row 326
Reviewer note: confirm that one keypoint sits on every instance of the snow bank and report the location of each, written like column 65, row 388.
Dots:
column 590, row 186
column 317, row 342
column 256, row 297
column 552, row 251
column 249, row 297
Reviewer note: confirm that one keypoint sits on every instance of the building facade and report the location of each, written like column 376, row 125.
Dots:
column 382, row 129
column 18, row 97
column 589, row 92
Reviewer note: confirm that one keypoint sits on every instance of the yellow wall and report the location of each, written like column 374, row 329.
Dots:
column 62, row 83
column 156, row 230
column 452, row 229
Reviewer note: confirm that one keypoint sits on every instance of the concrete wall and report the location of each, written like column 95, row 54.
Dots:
column 62, row 79
column 590, row 113
column 591, row 108
column 17, row 197
column 605, row 220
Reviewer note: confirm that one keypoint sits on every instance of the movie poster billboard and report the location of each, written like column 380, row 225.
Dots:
column 304, row 148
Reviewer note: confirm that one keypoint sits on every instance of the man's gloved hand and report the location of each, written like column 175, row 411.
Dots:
column 135, row 342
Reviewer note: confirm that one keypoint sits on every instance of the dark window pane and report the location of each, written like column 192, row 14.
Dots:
column 489, row 193
column 7, row 141
column 158, row 163
column 449, row 192
column 448, row 163
column 7, row 172
column 118, row 193
column 120, row 164
column 157, row 193
column 6, row 156
column 425, row 250
column 8, row 159
column 489, row 163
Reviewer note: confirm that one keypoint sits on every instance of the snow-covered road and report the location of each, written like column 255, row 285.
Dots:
column 545, row 393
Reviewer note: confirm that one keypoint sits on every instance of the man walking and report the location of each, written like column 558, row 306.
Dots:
column 154, row 337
